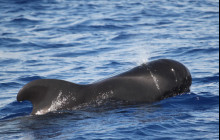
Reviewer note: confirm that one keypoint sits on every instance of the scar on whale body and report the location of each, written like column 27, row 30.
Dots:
column 147, row 83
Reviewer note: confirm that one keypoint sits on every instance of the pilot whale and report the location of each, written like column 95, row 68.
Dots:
column 147, row 83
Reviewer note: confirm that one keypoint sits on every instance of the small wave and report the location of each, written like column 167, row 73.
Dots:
column 9, row 85
column 11, row 116
column 211, row 79
column 125, row 36
column 32, row 61
column 202, row 51
column 24, row 20
column 8, row 61
column 155, row 13
column 84, row 27
column 45, row 45
column 40, row 29
column 164, row 23
column 15, row 109
column 29, row 78
column 82, row 53
column 201, row 101
column 75, row 54
column 189, row 51
column 21, row 22
column 109, row 27
column 4, row 41
column 21, row 1
column 113, row 63
column 22, row 47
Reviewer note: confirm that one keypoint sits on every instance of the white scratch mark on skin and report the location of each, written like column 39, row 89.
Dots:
column 155, row 80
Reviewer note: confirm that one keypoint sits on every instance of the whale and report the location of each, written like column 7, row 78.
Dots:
column 148, row 83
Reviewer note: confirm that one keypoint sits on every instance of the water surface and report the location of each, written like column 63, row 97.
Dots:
column 88, row 40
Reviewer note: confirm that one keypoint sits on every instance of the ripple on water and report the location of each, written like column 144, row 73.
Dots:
column 29, row 78
column 84, row 41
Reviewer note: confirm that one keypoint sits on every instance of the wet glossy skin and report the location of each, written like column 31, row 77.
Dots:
column 147, row 83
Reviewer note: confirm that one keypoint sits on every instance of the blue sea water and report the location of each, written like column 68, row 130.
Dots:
column 83, row 41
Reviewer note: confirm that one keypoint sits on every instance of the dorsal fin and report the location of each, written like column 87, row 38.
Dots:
column 42, row 93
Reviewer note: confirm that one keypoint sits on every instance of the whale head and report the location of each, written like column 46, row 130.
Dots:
column 171, row 77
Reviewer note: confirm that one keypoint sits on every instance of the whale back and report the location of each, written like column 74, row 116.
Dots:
column 149, row 82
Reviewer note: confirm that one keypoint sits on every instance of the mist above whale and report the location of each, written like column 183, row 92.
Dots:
column 147, row 83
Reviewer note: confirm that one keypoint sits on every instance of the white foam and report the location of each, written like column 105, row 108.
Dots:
column 41, row 112
column 56, row 104
column 103, row 96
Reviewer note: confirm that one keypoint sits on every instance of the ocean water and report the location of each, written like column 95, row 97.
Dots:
column 83, row 41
